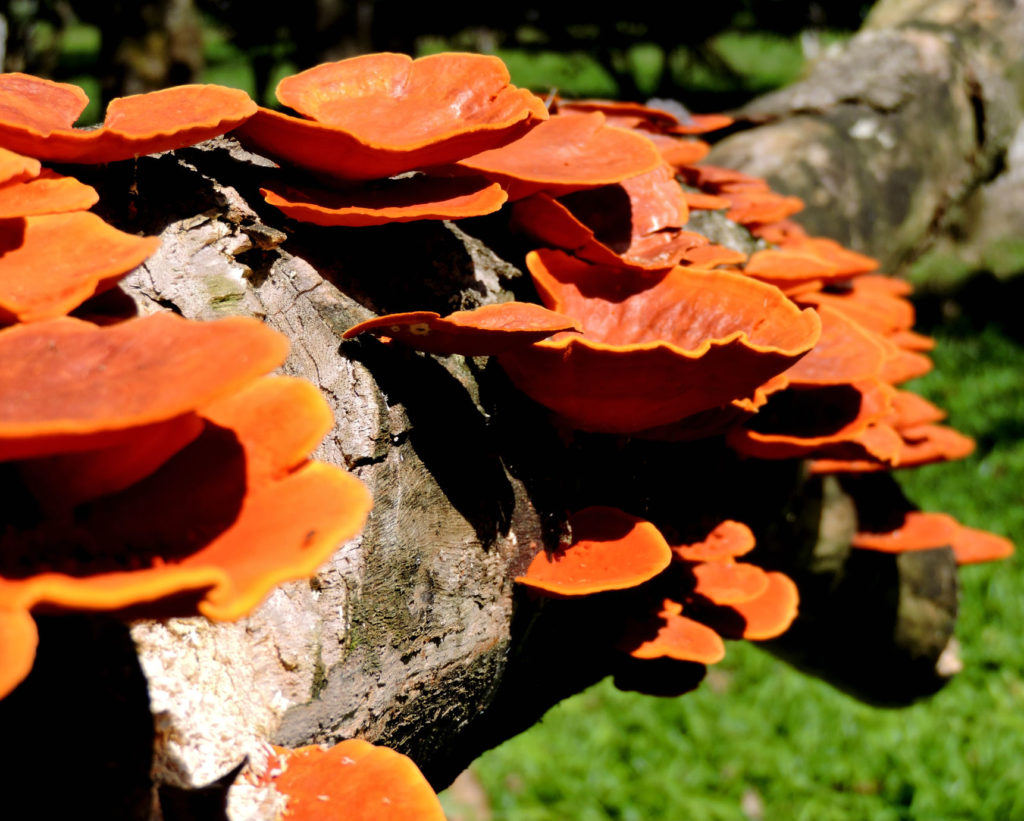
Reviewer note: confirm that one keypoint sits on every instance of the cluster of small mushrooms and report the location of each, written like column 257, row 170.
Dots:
column 154, row 458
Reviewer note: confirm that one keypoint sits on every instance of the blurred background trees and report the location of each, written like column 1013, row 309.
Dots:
column 731, row 50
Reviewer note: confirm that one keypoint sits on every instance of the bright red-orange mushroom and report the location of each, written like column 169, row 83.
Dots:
column 670, row 634
column 485, row 331
column 729, row 582
column 65, row 480
column 19, row 639
column 699, row 201
column 566, row 154
column 68, row 385
column 16, row 167
column 728, row 540
column 971, row 546
column 654, row 353
column 802, row 421
column 846, row 352
column 917, row 531
column 747, row 207
column 400, row 200
column 610, row 550
column 354, row 780
column 37, row 118
column 764, row 617
column 47, row 275
column 47, row 193
column 636, row 224
column 379, row 115
column 235, row 512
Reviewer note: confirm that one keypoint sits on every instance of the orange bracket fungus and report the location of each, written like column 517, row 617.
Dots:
column 485, row 331
column 728, row 540
column 636, row 224
column 654, row 352
column 674, row 636
column 16, row 167
column 379, row 115
column 354, row 780
column 47, row 276
column 68, row 385
column 763, row 617
column 565, row 154
column 47, row 193
column 37, row 118
column 924, row 531
column 185, row 474
column 610, row 550
column 403, row 200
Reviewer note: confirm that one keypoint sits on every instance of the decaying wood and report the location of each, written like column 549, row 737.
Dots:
column 890, row 132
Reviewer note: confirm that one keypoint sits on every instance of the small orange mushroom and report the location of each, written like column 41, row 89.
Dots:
column 398, row 200
column 37, row 118
column 354, row 780
column 16, row 167
column 765, row 617
column 485, row 331
column 47, row 193
column 636, row 224
column 846, row 352
column 68, row 385
column 565, row 154
column 675, row 636
column 379, row 115
column 729, row 582
column 653, row 353
column 47, row 275
column 610, row 550
column 728, row 540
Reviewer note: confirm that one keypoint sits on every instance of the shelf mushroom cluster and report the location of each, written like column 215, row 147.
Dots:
column 792, row 351
column 143, row 460
column 153, row 458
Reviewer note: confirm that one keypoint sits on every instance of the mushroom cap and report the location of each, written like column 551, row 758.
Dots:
column 610, row 550
column 845, row 352
column 764, row 617
column 670, row 634
column 47, row 193
column 971, row 546
column 484, row 331
column 19, row 639
column 68, row 385
column 636, row 224
column 46, row 275
column 725, row 581
column 565, row 154
column 653, row 353
column 379, row 115
column 399, row 200
column 37, row 118
column 354, row 780
column 801, row 421
column 229, row 516
column 728, row 540
column 17, row 167
column 393, row 102
column 917, row 531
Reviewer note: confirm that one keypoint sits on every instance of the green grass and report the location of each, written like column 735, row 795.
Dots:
column 761, row 737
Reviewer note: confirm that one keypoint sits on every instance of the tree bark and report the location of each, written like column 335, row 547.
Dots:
column 890, row 132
